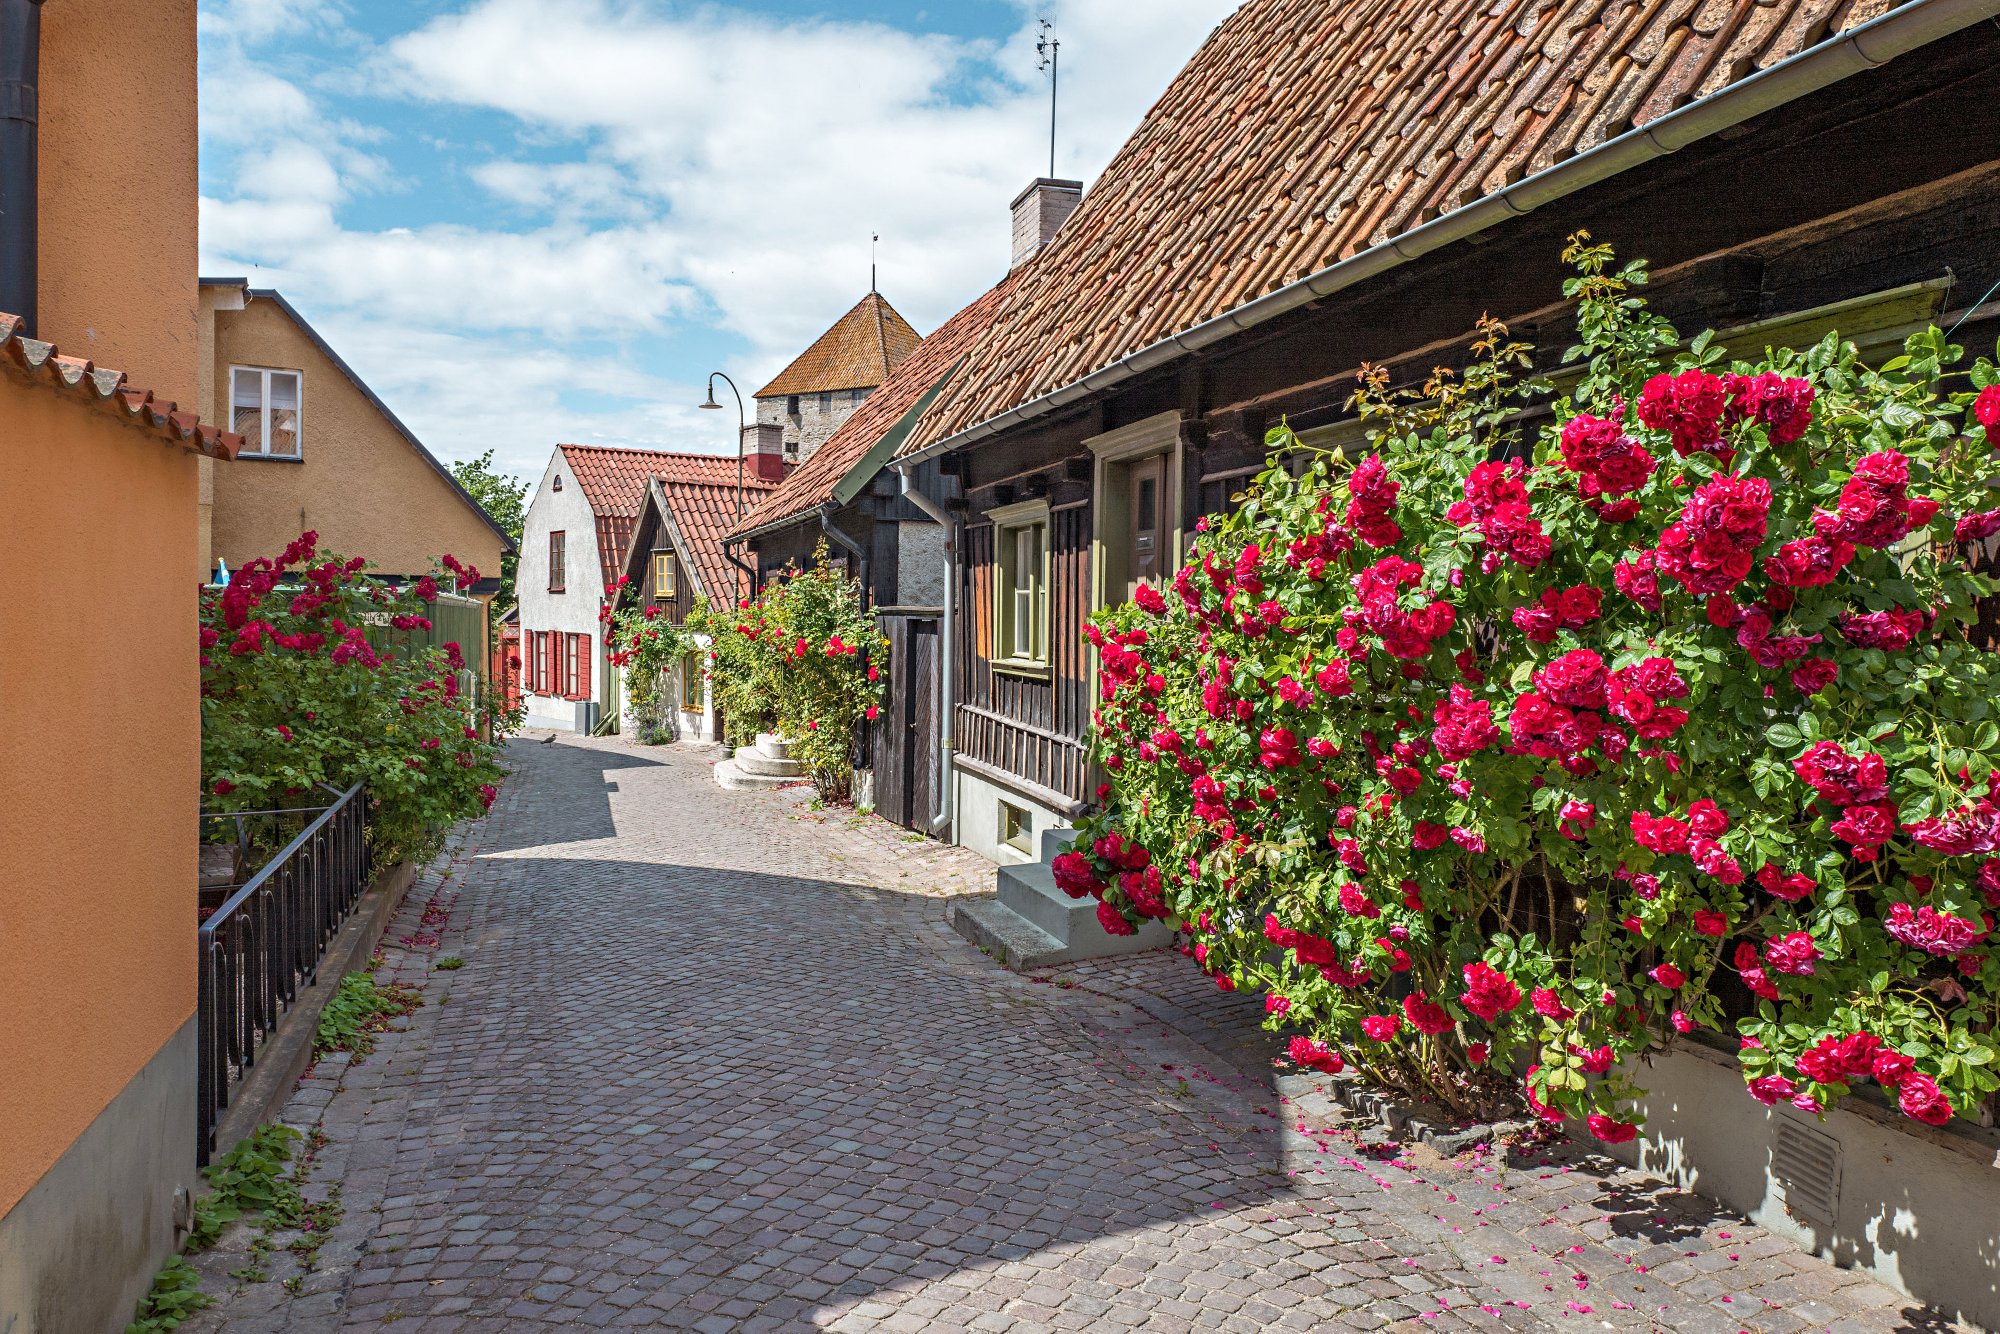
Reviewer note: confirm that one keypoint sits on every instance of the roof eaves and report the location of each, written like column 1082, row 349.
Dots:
column 340, row 364
column 43, row 363
column 1899, row 31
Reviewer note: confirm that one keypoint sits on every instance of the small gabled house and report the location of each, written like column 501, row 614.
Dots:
column 1323, row 187
column 846, row 497
column 323, row 452
column 572, row 539
column 675, row 558
column 810, row 399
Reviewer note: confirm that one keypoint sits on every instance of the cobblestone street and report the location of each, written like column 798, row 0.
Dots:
column 715, row 1061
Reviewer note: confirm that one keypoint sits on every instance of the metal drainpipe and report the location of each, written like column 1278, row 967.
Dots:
column 826, row 526
column 20, row 75
column 944, row 821
column 749, row 575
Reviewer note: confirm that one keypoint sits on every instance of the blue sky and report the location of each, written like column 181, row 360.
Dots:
column 526, row 221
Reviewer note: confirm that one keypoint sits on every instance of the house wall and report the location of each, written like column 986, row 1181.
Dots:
column 359, row 483
column 573, row 611
column 118, row 189
column 1918, row 1209
column 100, row 774
column 812, row 425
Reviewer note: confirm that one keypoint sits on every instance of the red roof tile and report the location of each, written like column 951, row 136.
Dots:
column 812, row 484
column 41, row 363
column 858, row 352
column 704, row 510
column 1303, row 133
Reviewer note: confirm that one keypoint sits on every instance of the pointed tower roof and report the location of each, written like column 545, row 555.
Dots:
column 858, row 352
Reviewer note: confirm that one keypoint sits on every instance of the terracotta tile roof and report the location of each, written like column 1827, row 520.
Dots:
column 1302, row 133
column 703, row 509
column 858, row 352
column 813, row 483
column 41, row 363
column 614, row 482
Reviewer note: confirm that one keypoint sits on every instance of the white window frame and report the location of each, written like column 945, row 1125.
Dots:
column 262, row 447
column 1010, row 522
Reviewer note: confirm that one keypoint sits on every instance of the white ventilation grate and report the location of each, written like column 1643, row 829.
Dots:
column 1806, row 1163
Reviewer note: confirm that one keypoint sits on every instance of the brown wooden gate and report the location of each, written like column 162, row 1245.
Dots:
column 908, row 729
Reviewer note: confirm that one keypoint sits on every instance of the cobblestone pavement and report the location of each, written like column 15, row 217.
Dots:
column 715, row 1062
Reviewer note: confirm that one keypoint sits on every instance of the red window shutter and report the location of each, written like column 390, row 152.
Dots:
column 583, row 657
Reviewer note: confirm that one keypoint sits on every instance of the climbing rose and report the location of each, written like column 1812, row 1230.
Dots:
column 1488, row 992
column 1922, row 1100
column 1381, row 1027
column 1424, row 1015
column 1113, row 921
column 1782, row 405
column 1314, row 1055
column 1792, row 954
column 1840, row 777
column 1712, row 546
column 1609, row 1130
column 1932, row 931
column 1986, row 411
column 1688, row 407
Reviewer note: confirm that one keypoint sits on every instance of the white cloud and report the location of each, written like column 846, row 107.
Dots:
column 671, row 170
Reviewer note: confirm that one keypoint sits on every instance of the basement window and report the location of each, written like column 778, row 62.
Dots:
column 1017, row 828
column 264, row 409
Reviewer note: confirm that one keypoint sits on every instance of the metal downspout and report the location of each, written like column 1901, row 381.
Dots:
column 749, row 575
column 944, row 820
column 20, row 76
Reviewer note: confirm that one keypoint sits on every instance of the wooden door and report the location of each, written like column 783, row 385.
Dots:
column 1146, row 534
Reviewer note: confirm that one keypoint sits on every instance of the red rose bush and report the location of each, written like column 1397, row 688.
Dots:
column 1538, row 743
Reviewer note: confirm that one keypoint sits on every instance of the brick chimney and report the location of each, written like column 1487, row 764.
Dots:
column 764, row 451
column 1039, row 211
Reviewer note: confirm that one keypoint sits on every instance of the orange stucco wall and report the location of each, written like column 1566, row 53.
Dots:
column 119, row 188
column 99, row 765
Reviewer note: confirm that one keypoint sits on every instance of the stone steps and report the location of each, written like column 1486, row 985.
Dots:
column 734, row 778
column 1029, row 923
column 754, row 760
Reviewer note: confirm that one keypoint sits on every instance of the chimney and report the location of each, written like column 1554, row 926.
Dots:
column 20, row 73
column 764, row 451
column 1039, row 211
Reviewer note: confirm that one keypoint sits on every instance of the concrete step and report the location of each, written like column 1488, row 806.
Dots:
column 1038, row 925
column 730, row 775
column 1013, row 941
column 774, row 746
column 752, row 760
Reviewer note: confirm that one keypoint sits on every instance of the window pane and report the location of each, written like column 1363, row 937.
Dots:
column 284, row 389
column 248, row 390
column 1149, row 504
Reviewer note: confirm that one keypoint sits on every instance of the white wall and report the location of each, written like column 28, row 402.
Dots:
column 574, row 610
column 979, row 819
column 1917, row 1208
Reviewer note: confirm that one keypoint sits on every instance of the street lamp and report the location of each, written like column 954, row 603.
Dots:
column 713, row 376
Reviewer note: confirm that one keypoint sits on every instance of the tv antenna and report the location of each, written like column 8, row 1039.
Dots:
column 874, row 239
column 1047, row 50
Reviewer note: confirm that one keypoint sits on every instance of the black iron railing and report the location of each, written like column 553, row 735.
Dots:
column 265, row 942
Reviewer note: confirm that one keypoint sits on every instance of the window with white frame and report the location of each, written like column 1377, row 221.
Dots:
column 264, row 409
column 1021, row 593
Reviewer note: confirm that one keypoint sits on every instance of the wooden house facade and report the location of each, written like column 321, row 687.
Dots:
column 1083, row 440
column 675, row 558
column 1384, row 180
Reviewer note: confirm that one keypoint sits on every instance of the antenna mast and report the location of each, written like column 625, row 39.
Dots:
column 874, row 238
column 1047, row 50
